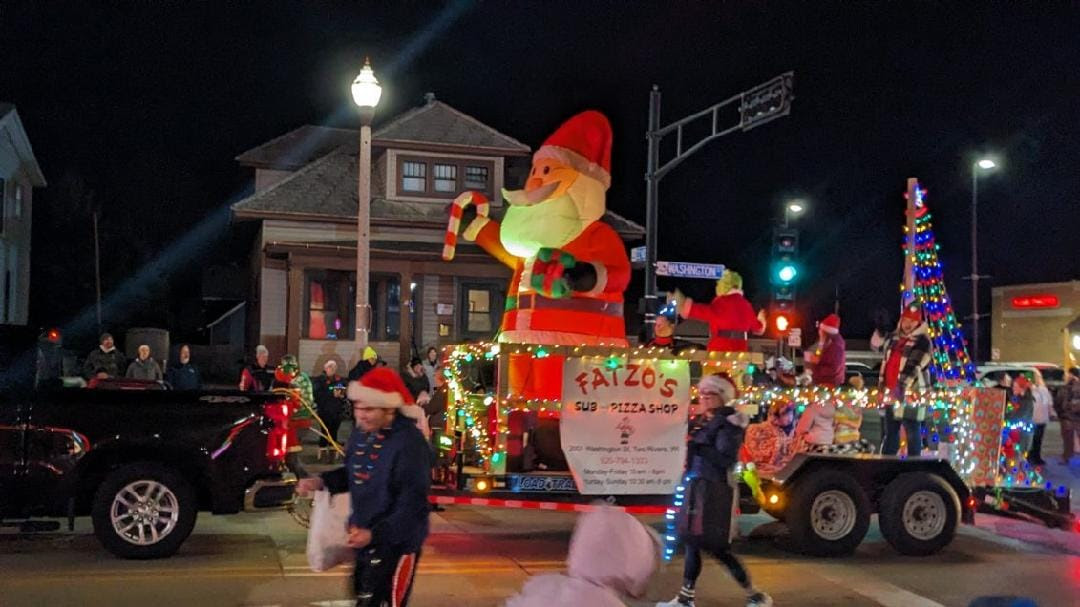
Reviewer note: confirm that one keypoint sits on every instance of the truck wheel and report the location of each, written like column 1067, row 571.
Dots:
column 143, row 511
column 828, row 515
column 919, row 513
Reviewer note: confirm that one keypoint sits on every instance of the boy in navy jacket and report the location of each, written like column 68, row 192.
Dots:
column 387, row 474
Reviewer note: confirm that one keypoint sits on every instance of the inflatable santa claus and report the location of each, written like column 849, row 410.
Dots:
column 570, row 268
column 730, row 315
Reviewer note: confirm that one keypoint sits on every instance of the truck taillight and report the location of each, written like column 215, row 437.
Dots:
column 277, row 440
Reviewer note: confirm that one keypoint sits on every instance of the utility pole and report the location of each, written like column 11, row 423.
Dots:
column 97, row 271
column 757, row 106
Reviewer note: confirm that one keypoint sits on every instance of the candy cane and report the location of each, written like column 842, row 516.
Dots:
column 457, row 209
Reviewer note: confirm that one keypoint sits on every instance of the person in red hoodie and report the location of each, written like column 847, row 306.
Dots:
column 828, row 357
column 730, row 315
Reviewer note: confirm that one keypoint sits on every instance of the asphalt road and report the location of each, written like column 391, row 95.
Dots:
column 479, row 557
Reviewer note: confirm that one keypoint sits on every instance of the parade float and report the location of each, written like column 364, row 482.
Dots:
column 559, row 410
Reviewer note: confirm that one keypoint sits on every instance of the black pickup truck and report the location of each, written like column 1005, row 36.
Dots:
column 141, row 462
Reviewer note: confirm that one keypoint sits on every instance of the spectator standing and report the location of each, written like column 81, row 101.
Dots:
column 1067, row 406
column 387, row 473
column 828, row 357
column 907, row 354
column 1020, row 410
column 105, row 359
column 417, row 382
column 369, row 358
column 1040, row 417
column 258, row 377
column 183, row 375
column 144, row 367
column 431, row 365
column 330, row 401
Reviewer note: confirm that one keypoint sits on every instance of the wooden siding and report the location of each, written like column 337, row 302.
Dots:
column 315, row 352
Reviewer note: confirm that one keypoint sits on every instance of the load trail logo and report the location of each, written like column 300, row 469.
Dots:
column 543, row 483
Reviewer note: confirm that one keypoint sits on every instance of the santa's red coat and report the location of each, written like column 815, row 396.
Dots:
column 731, row 312
column 581, row 319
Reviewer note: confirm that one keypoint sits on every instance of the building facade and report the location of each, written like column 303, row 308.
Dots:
column 1029, row 323
column 303, row 262
column 19, row 175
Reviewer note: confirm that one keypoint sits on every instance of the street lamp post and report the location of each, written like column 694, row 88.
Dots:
column 984, row 164
column 366, row 93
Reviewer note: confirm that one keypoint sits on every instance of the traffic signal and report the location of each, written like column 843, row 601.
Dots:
column 785, row 252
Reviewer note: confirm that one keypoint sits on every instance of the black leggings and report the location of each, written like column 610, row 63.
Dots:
column 692, row 566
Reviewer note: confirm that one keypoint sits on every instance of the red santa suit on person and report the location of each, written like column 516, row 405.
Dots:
column 570, row 268
column 729, row 314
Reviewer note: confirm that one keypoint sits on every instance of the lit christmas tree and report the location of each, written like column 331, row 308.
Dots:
column 925, row 285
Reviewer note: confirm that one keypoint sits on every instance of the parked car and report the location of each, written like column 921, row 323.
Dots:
column 141, row 461
column 1053, row 374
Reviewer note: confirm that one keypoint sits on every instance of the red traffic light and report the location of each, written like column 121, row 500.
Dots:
column 781, row 322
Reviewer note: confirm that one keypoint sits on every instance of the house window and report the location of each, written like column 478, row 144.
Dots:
column 445, row 178
column 329, row 299
column 476, row 178
column 330, row 303
column 413, row 176
column 481, row 308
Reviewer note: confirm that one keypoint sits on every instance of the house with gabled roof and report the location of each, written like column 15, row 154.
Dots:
column 304, row 256
column 19, row 175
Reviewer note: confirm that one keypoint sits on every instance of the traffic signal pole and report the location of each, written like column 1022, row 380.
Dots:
column 757, row 106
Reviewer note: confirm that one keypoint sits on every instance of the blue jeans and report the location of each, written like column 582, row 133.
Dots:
column 892, row 435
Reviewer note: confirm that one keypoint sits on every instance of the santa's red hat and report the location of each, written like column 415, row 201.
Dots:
column 583, row 143
column 721, row 383
column 830, row 324
column 912, row 312
column 379, row 388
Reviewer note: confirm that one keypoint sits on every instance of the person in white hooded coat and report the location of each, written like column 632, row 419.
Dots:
column 611, row 555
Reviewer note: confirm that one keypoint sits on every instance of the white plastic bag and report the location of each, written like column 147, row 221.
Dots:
column 327, row 533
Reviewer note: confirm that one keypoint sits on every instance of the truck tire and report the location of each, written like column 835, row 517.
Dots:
column 828, row 514
column 143, row 511
column 919, row 513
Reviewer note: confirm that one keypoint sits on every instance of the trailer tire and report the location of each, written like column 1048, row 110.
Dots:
column 919, row 513
column 143, row 511
column 828, row 515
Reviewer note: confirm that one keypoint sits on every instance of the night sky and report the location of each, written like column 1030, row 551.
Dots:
column 140, row 111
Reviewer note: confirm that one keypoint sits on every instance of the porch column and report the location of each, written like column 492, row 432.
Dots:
column 294, row 314
column 405, row 318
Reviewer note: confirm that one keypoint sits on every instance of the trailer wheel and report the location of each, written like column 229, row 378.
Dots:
column 828, row 515
column 919, row 513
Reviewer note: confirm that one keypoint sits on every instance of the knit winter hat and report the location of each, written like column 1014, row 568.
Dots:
column 719, row 382
column 831, row 324
column 380, row 388
column 369, row 354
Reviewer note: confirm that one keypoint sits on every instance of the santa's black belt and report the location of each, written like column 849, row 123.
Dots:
column 731, row 334
column 571, row 304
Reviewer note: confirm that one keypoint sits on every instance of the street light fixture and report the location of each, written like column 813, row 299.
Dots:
column 980, row 165
column 366, row 93
column 795, row 207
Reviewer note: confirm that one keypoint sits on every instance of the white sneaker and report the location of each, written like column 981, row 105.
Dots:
column 759, row 599
column 675, row 603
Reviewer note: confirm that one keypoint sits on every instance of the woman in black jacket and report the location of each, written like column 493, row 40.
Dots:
column 706, row 520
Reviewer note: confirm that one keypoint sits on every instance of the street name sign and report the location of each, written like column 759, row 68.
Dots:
column 680, row 269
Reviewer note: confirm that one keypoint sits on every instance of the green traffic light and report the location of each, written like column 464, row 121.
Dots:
column 786, row 273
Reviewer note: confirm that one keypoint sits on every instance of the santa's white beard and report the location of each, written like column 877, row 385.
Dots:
column 551, row 223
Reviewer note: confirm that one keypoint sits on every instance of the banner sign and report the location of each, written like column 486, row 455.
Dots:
column 623, row 426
